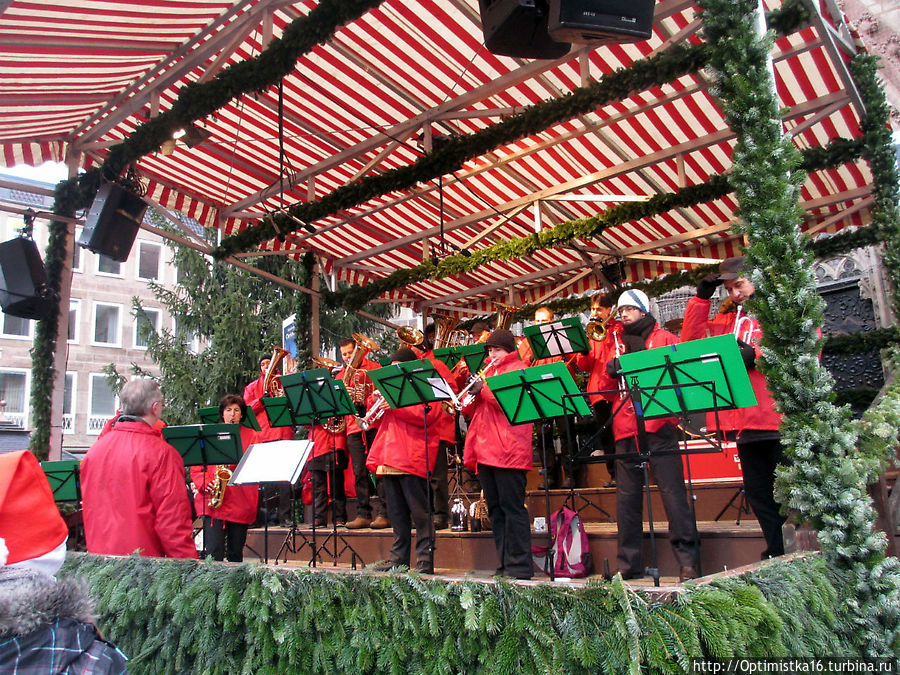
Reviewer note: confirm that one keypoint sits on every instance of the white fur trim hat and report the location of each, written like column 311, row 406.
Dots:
column 634, row 298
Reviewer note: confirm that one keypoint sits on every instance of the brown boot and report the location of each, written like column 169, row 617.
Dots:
column 380, row 523
column 687, row 572
column 358, row 523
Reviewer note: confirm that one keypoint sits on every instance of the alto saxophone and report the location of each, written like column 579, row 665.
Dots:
column 217, row 494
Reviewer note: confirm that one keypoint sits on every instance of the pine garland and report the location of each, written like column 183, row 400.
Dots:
column 824, row 483
column 189, row 616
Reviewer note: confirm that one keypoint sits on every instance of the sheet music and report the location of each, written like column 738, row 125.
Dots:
column 554, row 335
column 272, row 462
column 440, row 388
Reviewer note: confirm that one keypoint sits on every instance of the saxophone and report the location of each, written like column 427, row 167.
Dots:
column 217, row 493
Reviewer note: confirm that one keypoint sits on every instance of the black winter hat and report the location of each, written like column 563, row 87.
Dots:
column 502, row 338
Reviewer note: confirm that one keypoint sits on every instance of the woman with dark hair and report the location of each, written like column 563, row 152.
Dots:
column 225, row 524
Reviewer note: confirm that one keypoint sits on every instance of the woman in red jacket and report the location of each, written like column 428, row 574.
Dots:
column 398, row 457
column 225, row 526
column 500, row 453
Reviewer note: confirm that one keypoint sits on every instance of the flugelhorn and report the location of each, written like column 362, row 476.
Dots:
column 743, row 327
column 465, row 395
column 374, row 412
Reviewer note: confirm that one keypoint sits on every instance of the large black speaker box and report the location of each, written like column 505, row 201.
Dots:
column 23, row 280
column 519, row 28
column 112, row 222
column 601, row 21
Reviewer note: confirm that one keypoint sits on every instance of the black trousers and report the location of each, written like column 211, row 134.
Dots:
column 758, row 462
column 358, row 446
column 224, row 540
column 325, row 472
column 504, row 492
column 555, row 462
column 604, row 440
column 630, row 502
column 440, row 482
column 407, row 504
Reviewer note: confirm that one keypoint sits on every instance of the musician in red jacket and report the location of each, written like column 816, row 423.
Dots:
column 500, row 453
column 754, row 429
column 132, row 484
column 594, row 363
column 225, row 526
column 398, row 457
column 639, row 332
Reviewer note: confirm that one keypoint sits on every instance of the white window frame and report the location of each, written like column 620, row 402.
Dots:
column 12, row 336
column 75, row 304
column 81, row 252
column 95, row 423
column 136, row 335
column 159, row 260
column 94, row 343
column 26, row 414
column 68, row 418
column 113, row 275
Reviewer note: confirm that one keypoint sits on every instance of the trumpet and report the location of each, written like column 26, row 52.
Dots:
column 374, row 412
column 743, row 327
column 465, row 395
column 220, row 482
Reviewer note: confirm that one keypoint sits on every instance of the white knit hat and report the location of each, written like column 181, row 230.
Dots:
column 634, row 298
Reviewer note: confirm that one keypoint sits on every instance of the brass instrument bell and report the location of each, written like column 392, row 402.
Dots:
column 272, row 381
column 410, row 336
column 505, row 315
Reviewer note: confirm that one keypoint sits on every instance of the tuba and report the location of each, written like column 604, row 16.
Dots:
column 410, row 336
column 443, row 330
column 272, row 382
column 217, row 493
column 358, row 385
column 334, row 425
column 505, row 315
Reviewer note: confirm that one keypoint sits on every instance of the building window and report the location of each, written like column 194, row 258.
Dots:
column 16, row 327
column 149, row 256
column 107, row 325
column 76, row 253
column 68, row 419
column 103, row 404
column 189, row 339
column 13, row 393
column 74, row 315
column 106, row 265
column 148, row 319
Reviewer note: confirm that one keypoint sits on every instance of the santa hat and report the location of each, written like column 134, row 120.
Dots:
column 30, row 523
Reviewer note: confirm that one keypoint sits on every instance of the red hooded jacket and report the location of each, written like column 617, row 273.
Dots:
column 400, row 442
column 240, row 502
column 253, row 394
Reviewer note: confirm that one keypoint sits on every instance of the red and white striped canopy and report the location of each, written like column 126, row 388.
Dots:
column 79, row 76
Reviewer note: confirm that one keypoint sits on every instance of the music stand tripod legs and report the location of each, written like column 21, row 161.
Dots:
column 333, row 535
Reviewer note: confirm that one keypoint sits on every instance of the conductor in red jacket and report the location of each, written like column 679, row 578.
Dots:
column 501, row 455
column 756, row 429
column 398, row 457
column 132, row 484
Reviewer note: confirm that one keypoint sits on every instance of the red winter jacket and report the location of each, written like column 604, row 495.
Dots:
column 400, row 442
column 240, row 502
column 446, row 428
column 491, row 439
column 253, row 394
column 763, row 415
column 134, row 495
column 624, row 420
column 594, row 362
column 325, row 442
column 352, row 426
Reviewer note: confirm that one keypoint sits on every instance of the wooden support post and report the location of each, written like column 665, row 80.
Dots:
column 314, row 309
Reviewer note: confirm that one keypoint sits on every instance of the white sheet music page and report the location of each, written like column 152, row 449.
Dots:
column 556, row 338
column 272, row 462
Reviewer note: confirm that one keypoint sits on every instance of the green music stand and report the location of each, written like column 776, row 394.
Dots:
column 557, row 338
column 206, row 444
column 537, row 394
column 211, row 416
column 313, row 395
column 450, row 356
column 279, row 411
column 64, row 479
column 474, row 356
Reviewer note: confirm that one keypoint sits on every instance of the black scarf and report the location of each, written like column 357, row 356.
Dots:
column 635, row 334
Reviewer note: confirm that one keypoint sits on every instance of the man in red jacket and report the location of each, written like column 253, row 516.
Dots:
column 501, row 455
column 398, row 457
column 639, row 332
column 755, row 429
column 132, row 484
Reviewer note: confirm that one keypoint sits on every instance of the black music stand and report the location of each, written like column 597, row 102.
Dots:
column 210, row 415
column 537, row 394
column 314, row 396
column 411, row 383
column 274, row 462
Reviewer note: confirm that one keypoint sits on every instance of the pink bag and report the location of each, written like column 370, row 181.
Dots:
column 572, row 553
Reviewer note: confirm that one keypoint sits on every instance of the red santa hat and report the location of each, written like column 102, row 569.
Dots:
column 30, row 523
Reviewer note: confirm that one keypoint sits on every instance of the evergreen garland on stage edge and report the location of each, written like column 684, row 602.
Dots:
column 208, row 617
column 825, row 484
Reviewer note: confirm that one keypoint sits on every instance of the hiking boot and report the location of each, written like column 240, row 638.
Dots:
column 358, row 523
column 380, row 523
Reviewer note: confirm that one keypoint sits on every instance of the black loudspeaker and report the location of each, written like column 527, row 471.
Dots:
column 519, row 28
column 23, row 280
column 113, row 221
column 601, row 21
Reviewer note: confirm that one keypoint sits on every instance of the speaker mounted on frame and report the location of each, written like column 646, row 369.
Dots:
column 597, row 22
column 518, row 28
column 23, row 280
column 113, row 220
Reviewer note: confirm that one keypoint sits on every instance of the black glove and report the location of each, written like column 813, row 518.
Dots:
column 707, row 286
column 748, row 353
column 612, row 367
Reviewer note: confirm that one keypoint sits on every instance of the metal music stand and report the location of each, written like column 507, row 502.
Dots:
column 557, row 338
column 410, row 383
column 274, row 462
column 537, row 394
column 314, row 396
column 473, row 356
column 705, row 375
